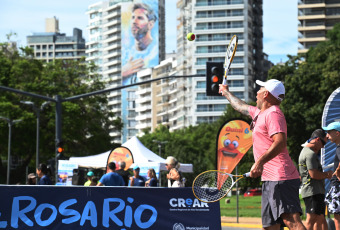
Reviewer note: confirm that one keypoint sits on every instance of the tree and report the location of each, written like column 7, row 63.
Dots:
column 197, row 145
column 86, row 122
column 309, row 81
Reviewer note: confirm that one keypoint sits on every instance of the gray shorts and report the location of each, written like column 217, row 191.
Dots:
column 279, row 197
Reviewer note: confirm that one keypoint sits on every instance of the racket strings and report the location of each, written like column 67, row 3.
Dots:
column 212, row 186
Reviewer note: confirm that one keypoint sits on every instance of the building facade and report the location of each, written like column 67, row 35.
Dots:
column 51, row 45
column 111, row 47
column 215, row 22
column 316, row 17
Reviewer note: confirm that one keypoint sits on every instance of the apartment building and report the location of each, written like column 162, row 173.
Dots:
column 109, row 47
column 215, row 22
column 52, row 44
column 316, row 17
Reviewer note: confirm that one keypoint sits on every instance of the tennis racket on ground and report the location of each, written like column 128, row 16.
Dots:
column 231, row 50
column 211, row 186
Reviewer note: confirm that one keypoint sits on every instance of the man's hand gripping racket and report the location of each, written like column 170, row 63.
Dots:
column 211, row 186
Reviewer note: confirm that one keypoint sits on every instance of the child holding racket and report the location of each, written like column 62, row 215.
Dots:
column 281, row 180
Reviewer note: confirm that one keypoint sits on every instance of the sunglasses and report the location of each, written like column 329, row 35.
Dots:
column 253, row 122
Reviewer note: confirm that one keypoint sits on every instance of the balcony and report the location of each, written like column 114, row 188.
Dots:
column 219, row 3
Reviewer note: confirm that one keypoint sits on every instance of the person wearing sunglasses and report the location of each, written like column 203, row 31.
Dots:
column 174, row 176
column 313, row 180
column 280, row 178
column 332, row 197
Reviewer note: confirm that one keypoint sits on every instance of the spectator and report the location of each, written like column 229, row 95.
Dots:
column 124, row 173
column 174, row 176
column 42, row 174
column 313, row 180
column 111, row 178
column 94, row 181
column 137, row 180
column 90, row 175
column 31, row 179
column 152, row 182
column 332, row 197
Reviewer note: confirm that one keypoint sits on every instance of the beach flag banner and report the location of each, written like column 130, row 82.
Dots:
column 120, row 154
column 233, row 142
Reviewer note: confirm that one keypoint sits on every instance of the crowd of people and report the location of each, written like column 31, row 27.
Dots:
column 120, row 177
column 280, row 178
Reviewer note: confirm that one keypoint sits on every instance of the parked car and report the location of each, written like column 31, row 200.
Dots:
column 253, row 192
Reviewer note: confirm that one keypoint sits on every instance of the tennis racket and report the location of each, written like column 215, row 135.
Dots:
column 211, row 186
column 231, row 50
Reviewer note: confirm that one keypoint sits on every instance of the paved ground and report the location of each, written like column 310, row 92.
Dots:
column 243, row 222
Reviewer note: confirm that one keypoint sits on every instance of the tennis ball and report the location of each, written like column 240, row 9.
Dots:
column 191, row 36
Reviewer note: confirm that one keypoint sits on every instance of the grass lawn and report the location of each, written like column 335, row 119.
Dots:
column 248, row 206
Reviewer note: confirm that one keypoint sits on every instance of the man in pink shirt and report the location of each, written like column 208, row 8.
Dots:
column 281, row 180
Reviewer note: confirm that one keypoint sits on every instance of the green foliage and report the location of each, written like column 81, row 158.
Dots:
column 197, row 145
column 85, row 122
column 247, row 206
column 309, row 81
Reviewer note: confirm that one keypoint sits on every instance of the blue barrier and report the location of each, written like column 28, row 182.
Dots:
column 121, row 208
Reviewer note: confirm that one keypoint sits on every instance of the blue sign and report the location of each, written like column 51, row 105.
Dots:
column 121, row 208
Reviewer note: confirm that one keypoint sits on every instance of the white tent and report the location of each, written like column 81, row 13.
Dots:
column 141, row 155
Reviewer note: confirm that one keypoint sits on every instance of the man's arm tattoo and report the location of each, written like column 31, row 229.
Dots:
column 237, row 103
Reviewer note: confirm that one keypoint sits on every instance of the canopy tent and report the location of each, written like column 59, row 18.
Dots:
column 141, row 155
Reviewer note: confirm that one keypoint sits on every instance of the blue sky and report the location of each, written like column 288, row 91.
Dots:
column 25, row 17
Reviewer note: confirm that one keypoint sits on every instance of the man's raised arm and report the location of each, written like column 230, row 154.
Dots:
column 235, row 102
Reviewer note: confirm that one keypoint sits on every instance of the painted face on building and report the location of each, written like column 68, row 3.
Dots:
column 140, row 23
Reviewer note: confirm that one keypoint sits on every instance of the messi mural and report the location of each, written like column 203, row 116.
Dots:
column 140, row 49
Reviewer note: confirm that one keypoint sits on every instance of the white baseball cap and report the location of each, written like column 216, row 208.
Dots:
column 274, row 87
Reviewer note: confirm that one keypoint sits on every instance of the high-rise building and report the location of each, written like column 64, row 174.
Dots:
column 52, row 45
column 316, row 17
column 120, row 48
column 214, row 22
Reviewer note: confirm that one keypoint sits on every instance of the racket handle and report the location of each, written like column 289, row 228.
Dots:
column 246, row 174
column 224, row 81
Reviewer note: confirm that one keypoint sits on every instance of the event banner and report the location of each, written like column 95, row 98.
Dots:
column 121, row 208
column 233, row 141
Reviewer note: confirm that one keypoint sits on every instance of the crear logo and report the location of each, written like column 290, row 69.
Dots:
column 187, row 203
column 178, row 226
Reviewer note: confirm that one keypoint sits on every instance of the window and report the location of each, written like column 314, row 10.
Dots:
column 201, row 84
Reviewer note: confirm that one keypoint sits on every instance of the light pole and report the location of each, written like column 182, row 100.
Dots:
column 37, row 111
column 10, row 123
column 160, row 143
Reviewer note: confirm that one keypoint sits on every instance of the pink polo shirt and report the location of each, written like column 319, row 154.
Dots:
column 268, row 123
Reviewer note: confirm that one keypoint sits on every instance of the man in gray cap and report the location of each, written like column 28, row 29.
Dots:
column 313, row 180
column 280, row 177
column 332, row 197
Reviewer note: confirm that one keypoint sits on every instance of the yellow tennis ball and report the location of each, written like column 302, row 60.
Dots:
column 191, row 36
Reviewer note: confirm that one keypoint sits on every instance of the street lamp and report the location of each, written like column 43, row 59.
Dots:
column 10, row 123
column 37, row 111
column 160, row 143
